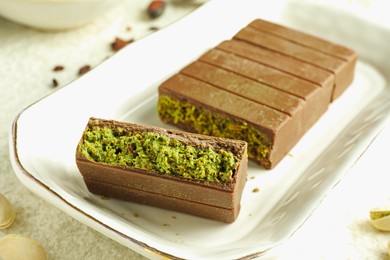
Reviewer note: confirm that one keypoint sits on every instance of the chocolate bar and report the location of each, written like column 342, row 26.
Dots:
column 334, row 58
column 314, row 98
column 267, row 89
column 191, row 173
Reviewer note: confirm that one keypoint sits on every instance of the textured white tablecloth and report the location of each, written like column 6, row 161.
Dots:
column 338, row 229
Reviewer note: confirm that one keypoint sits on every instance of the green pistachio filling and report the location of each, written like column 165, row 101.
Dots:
column 174, row 111
column 156, row 152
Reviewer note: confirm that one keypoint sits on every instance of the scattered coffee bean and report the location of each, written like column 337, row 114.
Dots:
column 84, row 69
column 54, row 83
column 156, row 8
column 58, row 68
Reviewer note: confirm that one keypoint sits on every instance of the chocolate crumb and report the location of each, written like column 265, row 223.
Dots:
column 256, row 190
column 84, row 69
column 166, row 225
column 58, row 68
column 128, row 28
column 135, row 215
column 54, row 83
column 173, row 217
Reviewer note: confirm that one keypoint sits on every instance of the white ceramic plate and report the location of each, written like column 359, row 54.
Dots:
column 44, row 136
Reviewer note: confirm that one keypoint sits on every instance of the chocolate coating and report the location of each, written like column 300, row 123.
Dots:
column 327, row 55
column 296, row 68
column 315, row 97
column 227, row 215
column 244, row 87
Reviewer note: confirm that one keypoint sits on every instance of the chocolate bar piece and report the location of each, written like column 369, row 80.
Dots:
column 267, row 89
column 191, row 173
column 314, row 98
column 326, row 55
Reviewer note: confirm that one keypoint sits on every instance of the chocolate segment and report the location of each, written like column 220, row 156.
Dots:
column 127, row 174
column 242, row 86
column 327, row 55
column 296, row 68
column 315, row 97
column 274, row 43
column 227, row 215
column 304, row 39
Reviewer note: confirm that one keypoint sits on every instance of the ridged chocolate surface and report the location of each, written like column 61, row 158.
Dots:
column 305, row 39
column 298, row 69
column 242, row 86
column 274, row 78
column 315, row 97
column 335, row 58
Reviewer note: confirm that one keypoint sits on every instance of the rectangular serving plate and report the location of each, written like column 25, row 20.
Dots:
column 275, row 203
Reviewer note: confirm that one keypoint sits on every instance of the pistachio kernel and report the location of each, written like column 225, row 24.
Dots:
column 388, row 248
column 21, row 247
column 7, row 213
column 380, row 218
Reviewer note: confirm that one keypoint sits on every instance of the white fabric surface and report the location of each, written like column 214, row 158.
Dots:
column 338, row 229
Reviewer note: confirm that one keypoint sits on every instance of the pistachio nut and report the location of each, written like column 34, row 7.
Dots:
column 380, row 218
column 21, row 247
column 388, row 248
column 7, row 212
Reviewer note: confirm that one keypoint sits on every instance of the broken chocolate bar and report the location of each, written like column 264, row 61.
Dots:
column 191, row 173
column 262, row 87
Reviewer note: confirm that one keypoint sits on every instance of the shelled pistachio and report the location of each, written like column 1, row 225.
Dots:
column 7, row 212
column 21, row 247
column 388, row 248
column 380, row 218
